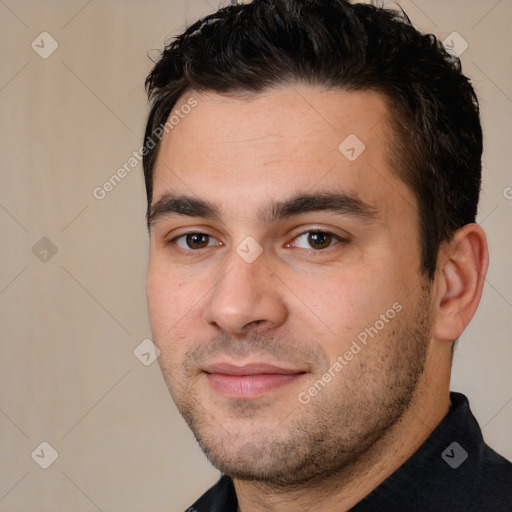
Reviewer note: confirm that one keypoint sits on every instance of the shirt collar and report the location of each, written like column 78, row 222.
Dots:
column 450, row 459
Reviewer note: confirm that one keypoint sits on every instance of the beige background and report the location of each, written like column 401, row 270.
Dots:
column 68, row 375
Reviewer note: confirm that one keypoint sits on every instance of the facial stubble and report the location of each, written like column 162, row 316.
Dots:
column 290, row 444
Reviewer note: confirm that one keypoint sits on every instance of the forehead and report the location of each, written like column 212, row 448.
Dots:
column 244, row 150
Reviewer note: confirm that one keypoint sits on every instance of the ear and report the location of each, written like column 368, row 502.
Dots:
column 461, row 274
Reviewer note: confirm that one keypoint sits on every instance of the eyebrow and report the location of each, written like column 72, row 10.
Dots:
column 171, row 205
column 343, row 203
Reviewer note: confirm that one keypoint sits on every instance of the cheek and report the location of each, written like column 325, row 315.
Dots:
column 175, row 301
column 328, row 309
column 164, row 292
column 167, row 316
column 344, row 305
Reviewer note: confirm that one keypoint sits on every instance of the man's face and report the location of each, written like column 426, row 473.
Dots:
column 275, row 255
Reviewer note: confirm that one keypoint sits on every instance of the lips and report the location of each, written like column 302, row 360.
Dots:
column 249, row 369
column 250, row 380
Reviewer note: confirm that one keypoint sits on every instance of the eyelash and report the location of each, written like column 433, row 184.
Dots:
column 336, row 238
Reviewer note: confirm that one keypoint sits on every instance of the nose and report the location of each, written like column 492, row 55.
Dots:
column 248, row 297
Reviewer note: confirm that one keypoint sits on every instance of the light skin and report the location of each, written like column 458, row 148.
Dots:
column 340, row 246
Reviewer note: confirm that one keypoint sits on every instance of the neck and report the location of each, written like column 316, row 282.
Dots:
column 346, row 488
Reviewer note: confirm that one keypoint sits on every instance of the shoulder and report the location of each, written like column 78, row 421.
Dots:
column 496, row 483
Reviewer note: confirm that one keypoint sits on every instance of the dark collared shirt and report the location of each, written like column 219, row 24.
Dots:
column 453, row 471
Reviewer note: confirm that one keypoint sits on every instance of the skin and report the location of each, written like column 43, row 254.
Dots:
column 300, row 305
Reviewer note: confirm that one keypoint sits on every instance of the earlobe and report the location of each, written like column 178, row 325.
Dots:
column 463, row 265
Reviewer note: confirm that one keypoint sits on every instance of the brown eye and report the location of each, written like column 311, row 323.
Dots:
column 194, row 242
column 197, row 240
column 316, row 240
column 319, row 239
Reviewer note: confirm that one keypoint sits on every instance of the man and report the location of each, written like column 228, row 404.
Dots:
column 313, row 171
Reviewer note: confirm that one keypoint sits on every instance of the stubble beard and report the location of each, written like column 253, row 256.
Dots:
column 314, row 441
